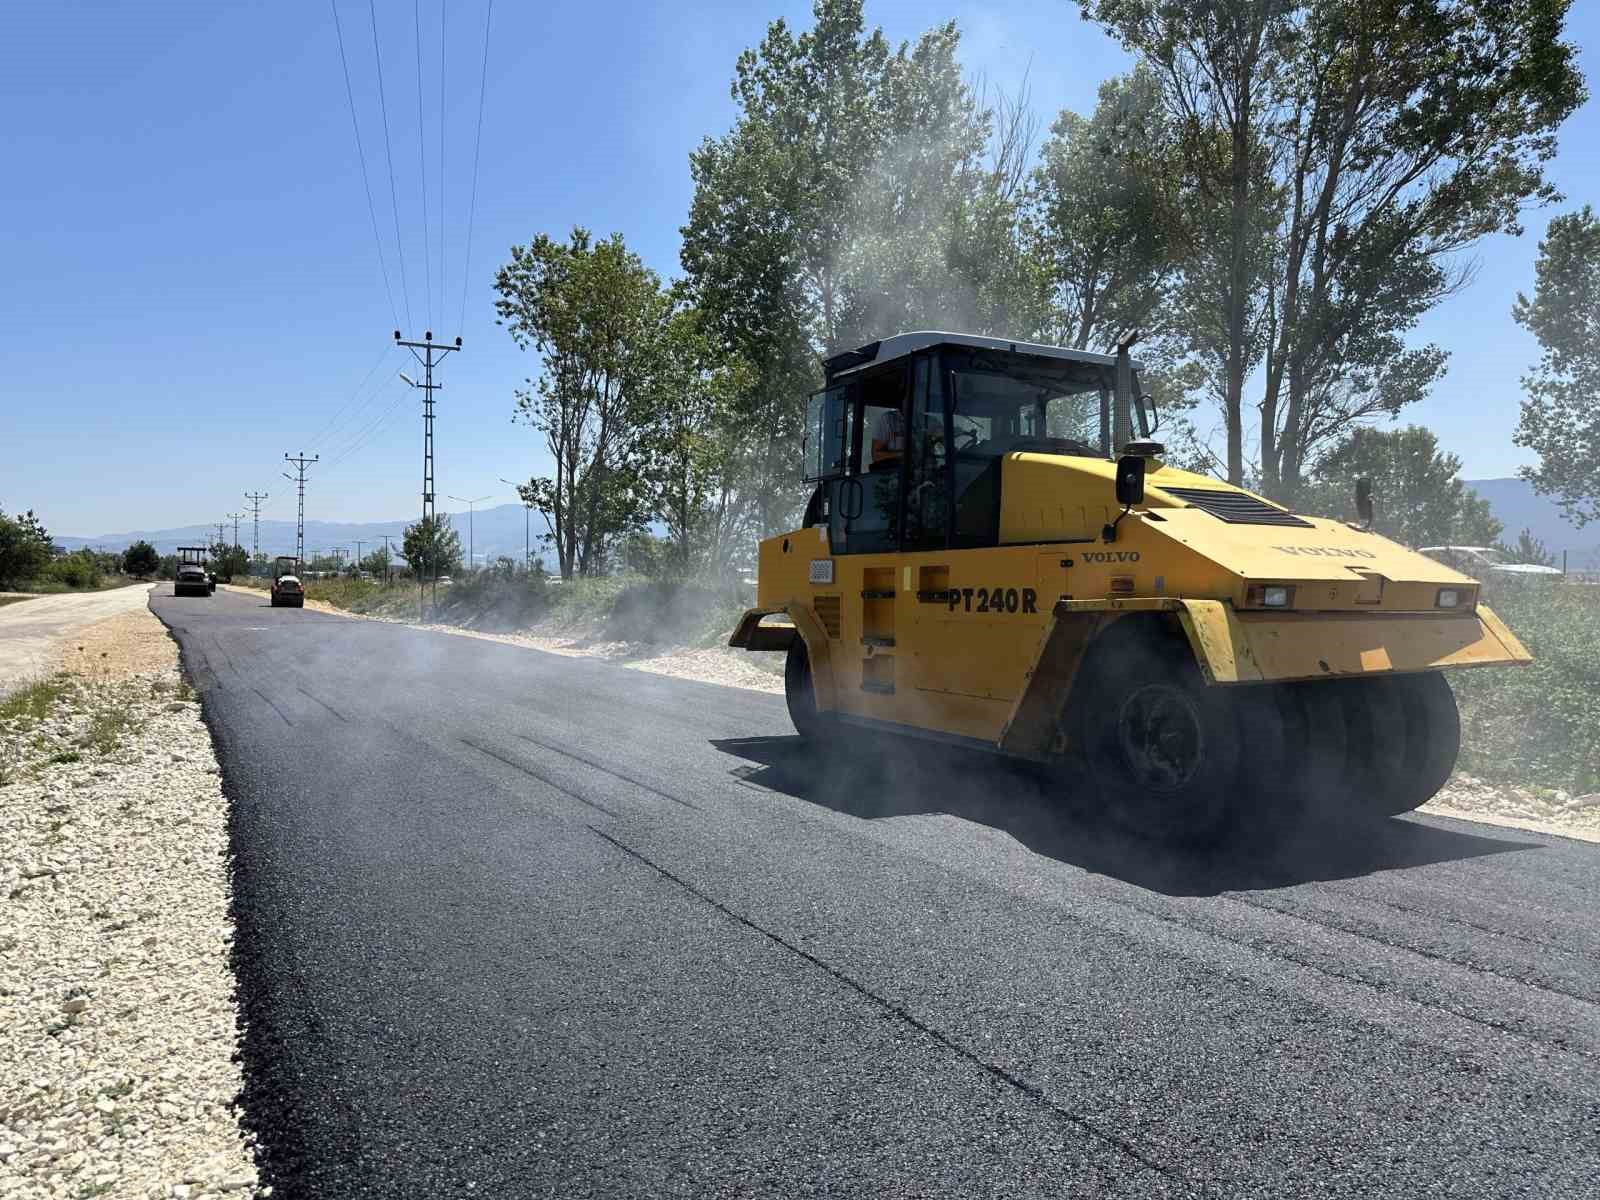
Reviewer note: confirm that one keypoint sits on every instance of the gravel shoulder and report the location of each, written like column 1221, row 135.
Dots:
column 118, row 1027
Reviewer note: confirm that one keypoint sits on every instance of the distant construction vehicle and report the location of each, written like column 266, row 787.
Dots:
column 194, row 577
column 976, row 567
column 287, row 590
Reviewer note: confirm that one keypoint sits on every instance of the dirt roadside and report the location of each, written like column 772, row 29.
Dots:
column 117, row 1021
column 30, row 630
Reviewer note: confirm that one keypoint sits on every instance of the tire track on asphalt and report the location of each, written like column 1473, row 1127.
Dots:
column 1432, row 955
column 322, row 702
column 273, row 706
column 1382, row 988
column 613, row 772
column 1491, row 930
column 542, row 778
column 1009, row 1078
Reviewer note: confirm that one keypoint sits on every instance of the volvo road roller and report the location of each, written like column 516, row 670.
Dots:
column 977, row 566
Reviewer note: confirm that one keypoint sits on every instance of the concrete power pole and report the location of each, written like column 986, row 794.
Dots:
column 301, row 463
column 255, row 499
column 235, row 518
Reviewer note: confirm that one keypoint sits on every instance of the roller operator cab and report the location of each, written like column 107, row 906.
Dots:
column 977, row 565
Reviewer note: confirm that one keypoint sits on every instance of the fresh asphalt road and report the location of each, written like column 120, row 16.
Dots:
column 512, row 924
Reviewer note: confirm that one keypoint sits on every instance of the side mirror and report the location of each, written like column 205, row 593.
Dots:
column 1150, row 413
column 1130, row 480
column 1364, row 501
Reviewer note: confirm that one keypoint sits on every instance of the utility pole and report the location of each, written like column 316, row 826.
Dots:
column 301, row 463
column 388, row 560
column 222, row 533
column 527, row 514
column 471, row 556
column 432, row 354
column 255, row 499
column 360, row 542
column 235, row 518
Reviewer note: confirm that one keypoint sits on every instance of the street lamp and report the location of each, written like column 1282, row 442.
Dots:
column 527, row 511
column 471, row 556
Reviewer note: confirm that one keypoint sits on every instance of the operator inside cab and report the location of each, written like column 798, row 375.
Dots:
column 888, row 439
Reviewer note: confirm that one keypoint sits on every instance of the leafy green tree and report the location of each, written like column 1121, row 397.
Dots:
column 432, row 547
column 169, row 566
column 228, row 561
column 1337, row 154
column 1561, row 417
column 694, row 453
column 596, row 315
column 1418, row 495
column 863, row 190
column 1101, row 213
column 24, row 548
column 376, row 564
column 1405, row 132
column 140, row 560
column 79, row 569
column 1529, row 549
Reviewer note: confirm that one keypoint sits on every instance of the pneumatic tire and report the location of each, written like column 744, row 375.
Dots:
column 1433, row 739
column 799, row 692
column 1161, row 745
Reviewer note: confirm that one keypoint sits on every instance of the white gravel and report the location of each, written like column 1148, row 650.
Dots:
column 117, row 1021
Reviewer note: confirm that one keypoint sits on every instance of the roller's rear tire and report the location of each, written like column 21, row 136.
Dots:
column 1376, row 767
column 1433, row 739
column 1162, row 747
column 799, row 692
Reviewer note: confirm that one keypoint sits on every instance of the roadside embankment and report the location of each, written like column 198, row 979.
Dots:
column 117, row 1018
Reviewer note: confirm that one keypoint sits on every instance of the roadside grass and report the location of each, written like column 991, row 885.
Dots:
column 55, row 587
column 33, row 702
column 5, row 600
column 1538, row 725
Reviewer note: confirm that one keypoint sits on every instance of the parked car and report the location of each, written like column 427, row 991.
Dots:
column 1486, row 562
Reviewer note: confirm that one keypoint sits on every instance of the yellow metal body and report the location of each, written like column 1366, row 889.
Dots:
column 984, row 643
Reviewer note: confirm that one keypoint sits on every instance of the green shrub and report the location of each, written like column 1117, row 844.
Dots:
column 1538, row 724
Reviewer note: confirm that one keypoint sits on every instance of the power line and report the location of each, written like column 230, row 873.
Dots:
column 367, row 433
column 422, row 158
column 441, row 160
column 345, row 409
column 388, row 151
column 361, row 153
column 472, row 211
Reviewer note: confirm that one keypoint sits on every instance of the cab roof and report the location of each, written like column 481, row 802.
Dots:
column 901, row 344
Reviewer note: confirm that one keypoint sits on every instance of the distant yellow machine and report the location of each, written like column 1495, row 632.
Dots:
column 976, row 567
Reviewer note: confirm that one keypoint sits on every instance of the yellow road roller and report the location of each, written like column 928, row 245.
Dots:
column 994, row 555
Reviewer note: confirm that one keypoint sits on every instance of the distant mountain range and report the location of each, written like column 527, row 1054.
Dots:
column 494, row 531
column 499, row 530
column 1517, row 506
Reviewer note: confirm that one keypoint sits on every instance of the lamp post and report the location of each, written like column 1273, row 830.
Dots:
column 527, row 513
column 472, row 557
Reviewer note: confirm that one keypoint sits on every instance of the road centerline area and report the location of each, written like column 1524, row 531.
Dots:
column 449, row 976
column 899, row 1012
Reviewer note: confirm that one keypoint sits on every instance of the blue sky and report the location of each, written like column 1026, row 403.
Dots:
column 190, row 285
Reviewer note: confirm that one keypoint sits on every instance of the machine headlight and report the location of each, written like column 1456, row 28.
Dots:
column 1449, row 598
column 1271, row 595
